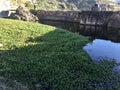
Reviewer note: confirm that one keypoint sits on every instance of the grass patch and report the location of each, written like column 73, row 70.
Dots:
column 46, row 58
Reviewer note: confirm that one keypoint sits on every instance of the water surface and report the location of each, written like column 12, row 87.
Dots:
column 106, row 47
column 103, row 49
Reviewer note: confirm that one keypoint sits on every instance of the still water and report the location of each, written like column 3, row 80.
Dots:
column 107, row 44
column 100, row 49
column 104, row 43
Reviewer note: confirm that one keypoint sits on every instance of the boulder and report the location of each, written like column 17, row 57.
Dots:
column 23, row 13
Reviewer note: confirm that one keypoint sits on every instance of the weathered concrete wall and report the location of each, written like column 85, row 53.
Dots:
column 114, row 21
column 86, row 23
column 100, row 18
column 71, row 16
column 95, row 17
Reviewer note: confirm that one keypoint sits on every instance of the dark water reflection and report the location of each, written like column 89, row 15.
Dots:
column 105, row 42
column 87, row 30
column 101, row 33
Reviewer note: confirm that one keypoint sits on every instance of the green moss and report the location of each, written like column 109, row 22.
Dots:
column 46, row 57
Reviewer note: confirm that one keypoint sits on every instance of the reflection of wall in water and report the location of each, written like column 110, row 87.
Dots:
column 94, row 31
column 100, row 32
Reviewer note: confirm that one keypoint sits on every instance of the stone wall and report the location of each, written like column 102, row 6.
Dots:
column 71, row 16
column 114, row 21
column 100, row 18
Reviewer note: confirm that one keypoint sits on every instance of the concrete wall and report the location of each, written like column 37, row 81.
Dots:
column 86, row 23
column 71, row 16
column 100, row 18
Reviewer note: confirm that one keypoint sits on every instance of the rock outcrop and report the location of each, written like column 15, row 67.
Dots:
column 23, row 13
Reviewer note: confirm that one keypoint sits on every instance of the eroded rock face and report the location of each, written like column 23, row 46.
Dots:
column 23, row 13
